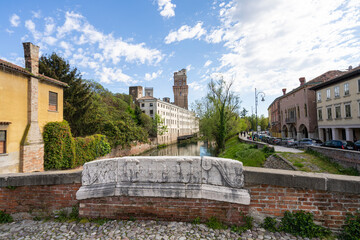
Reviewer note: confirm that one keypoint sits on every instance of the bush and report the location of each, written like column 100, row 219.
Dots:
column 62, row 151
column 5, row 218
column 59, row 146
column 90, row 148
column 269, row 224
column 302, row 224
column 351, row 229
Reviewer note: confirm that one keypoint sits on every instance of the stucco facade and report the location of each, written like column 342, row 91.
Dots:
column 179, row 121
column 298, row 108
column 24, row 110
column 338, row 107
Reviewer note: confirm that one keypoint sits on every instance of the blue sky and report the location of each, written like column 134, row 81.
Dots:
column 260, row 44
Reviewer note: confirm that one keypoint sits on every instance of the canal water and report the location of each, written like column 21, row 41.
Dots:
column 183, row 149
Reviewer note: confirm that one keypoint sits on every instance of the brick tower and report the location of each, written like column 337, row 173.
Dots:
column 181, row 89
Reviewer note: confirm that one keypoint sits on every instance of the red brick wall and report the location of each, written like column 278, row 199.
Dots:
column 44, row 198
column 329, row 208
column 178, row 209
column 32, row 158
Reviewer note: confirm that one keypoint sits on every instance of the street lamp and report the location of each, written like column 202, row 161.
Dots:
column 262, row 94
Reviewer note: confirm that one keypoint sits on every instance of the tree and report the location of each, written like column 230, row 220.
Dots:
column 218, row 115
column 243, row 112
column 77, row 97
column 159, row 125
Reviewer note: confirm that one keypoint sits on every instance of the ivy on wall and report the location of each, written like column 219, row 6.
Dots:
column 62, row 151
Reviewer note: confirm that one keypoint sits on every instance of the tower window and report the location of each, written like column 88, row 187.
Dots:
column 180, row 93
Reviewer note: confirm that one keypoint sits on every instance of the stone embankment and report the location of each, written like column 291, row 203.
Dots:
column 126, row 230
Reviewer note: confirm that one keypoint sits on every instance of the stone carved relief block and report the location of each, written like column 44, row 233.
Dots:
column 222, row 172
column 159, row 169
column 100, row 171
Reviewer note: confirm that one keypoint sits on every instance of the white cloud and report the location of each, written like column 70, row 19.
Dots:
column 14, row 20
column 189, row 67
column 185, row 32
column 9, row 31
column 207, row 63
column 36, row 14
column 166, row 8
column 85, row 46
column 30, row 25
column 196, row 86
column 108, row 75
column 271, row 44
column 151, row 76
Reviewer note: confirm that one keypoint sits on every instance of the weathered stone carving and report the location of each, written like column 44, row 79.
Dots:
column 178, row 177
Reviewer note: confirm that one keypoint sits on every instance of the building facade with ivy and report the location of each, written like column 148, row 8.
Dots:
column 29, row 100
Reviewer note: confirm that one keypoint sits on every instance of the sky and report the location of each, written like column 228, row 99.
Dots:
column 267, row 45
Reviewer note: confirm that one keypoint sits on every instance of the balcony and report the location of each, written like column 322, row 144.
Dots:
column 290, row 120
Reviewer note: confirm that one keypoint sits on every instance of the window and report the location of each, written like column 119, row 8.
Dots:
column 2, row 141
column 298, row 110
column 151, row 104
column 143, row 105
column 337, row 91
column 319, row 96
column 319, row 114
column 337, row 112
column 359, row 108
column 329, row 115
column 347, row 110
column 328, row 94
column 346, row 89
column 53, row 101
column 359, row 85
column 180, row 93
column 305, row 110
column 151, row 112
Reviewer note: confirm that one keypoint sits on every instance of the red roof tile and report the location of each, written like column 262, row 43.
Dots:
column 17, row 68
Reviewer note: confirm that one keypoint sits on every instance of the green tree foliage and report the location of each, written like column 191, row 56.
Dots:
column 159, row 125
column 218, row 113
column 91, row 109
column 77, row 97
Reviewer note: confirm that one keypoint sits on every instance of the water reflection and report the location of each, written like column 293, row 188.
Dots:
column 183, row 149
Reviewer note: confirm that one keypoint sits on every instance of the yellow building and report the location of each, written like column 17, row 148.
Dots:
column 338, row 107
column 28, row 100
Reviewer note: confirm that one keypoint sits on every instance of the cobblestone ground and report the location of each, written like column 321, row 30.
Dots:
column 126, row 230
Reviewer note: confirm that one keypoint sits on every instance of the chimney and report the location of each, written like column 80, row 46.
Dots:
column 302, row 81
column 31, row 53
column 284, row 91
column 350, row 68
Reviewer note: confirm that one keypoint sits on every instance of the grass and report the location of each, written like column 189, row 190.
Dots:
column 248, row 154
column 314, row 162
column 309, row 161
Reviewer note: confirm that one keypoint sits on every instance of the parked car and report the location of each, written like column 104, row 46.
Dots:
column 350, row 145
column 357, row 145
column 305, row 142
column 288, row 142
column 326, row 144
column 276, row 141
column 317, row 142
column 340, row 144
column 291, row 143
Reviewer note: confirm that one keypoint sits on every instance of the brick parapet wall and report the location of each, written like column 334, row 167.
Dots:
column 272, row 193
column 160, row 208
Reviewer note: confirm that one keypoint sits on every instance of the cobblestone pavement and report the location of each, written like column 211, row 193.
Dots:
column 126, row 230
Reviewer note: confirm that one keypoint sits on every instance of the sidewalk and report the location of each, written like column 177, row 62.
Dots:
column 279, row 148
